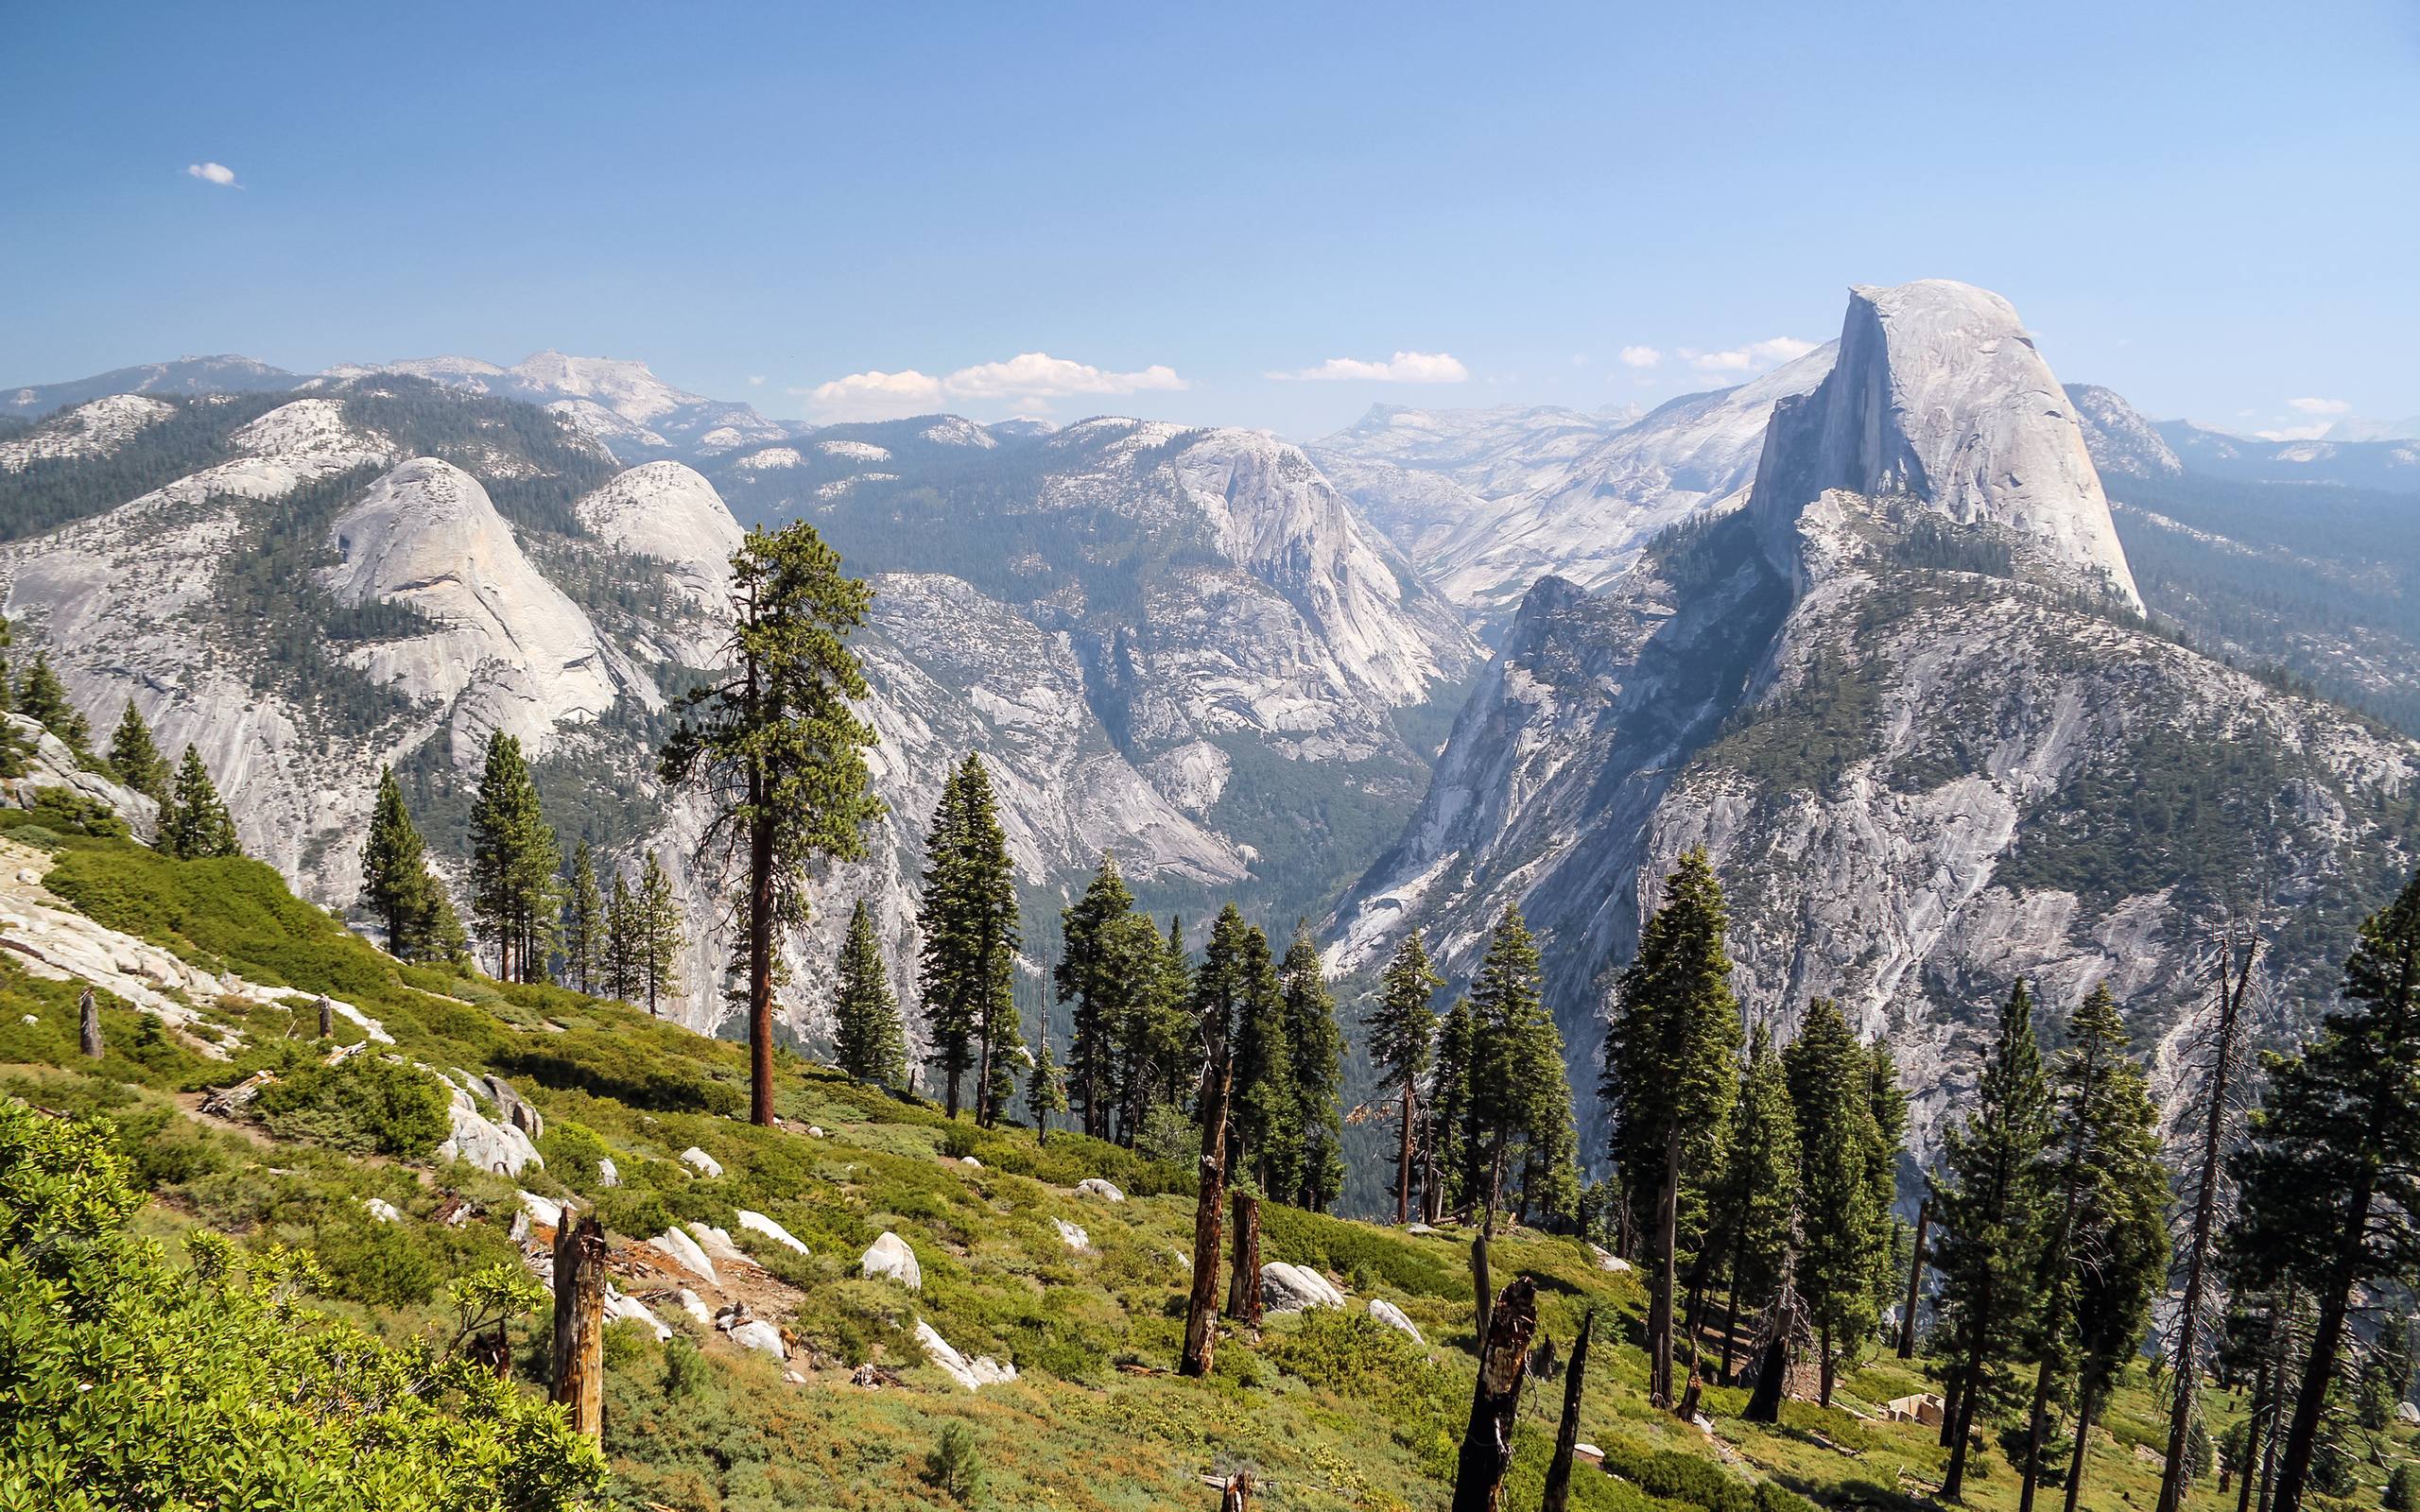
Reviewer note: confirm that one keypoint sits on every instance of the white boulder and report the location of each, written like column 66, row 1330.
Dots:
column 684, row 1251
column 756, row 1334
column 716, row 1242
column 542, row 1209
column 1285, row 1288
column 1095, row 1187
column 383, row 1211
column 1384, row 1312
column 484, row 1142
column 607, row 1174
column 890, row 1255
column 619, row 1306
column 973, row 1374
column 1607, row 1260
column 699, row 1161
column 1073, row 1234
column 695, row 1305
column 757, row 1222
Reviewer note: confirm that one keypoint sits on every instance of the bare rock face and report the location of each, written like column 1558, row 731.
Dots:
column 2121, row 442
column 671, row 512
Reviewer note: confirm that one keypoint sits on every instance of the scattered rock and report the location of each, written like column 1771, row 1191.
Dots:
column 699, row 1161
column 695, row 1305
column 973, row 1374
column 1393, row 1316
column 1074, row 1234
column 968, row 1159
column 619, row 1306
column 815, row 1130
column 607, row 1176
column 758, row 1223
column 484, row 1142
column 542, row 1209
column 515, row 1111
column 684, row 1251
column 716, row 1243
column 32, row 1018
column 1285, row 1288
column 794, row 1377
column 1095, row 1187
column 383, row 1211
column 755, row 1334
column 890, row 1255
column 873, row 1376
column 1423, row 1229
column 1607, row 1260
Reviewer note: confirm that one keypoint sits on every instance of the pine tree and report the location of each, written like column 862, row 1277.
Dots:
column 1758, row 1196
column 1450, row 1178
column 1264, row 1137
column 1098, row 1000
column 583, row 925
column 136, row 759
column 2331, row 1173
column 43, row 698
column 660, row 935
column 868, row 1042
column 196, row 825
column 2107, row 1250
column 395, row 882
column 514, row 860
column 1046, row 1091
column 1987, row 1212
column 621, row 941
column 1672, row 1073
column 1317, row 1047
column 1844, row 1208
column 1403, row 1043
column 969, row 915
column 1159, row 1049
column 779, row 751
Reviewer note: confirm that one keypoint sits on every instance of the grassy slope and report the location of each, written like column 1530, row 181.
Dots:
column 1330, row 1410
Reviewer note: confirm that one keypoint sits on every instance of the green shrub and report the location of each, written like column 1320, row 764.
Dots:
column 2403, row 1490
column 610, row 1066
column 366, row 1104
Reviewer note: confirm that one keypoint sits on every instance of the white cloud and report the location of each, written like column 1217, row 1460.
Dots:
column 1027, row 383
column 2294, row 433
column 1640, row 357
column 1403, row 368
column 1755, row 355
column 217, row 173
column 755, row 380
column 2320, row 406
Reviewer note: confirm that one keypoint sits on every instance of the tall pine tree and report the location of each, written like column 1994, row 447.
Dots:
column 660, row 935
column 1046, row 1091
column 195, row 825
column 514, row 859
column 1450, row 1178
column 866, row 1037
column 42, row 698
column 1098, row 994
column 1263, row 1137
column 1317, row 1047
column 583, row 924
column 1987, row 1212
column 395, row 882
column 779, row 751
column 1845, row 1208
column 1403, row 1043
column 136, row 759
column 968, row 918
column 621, row 941
column 1757, row 1196
column 1672, row 1073
column 2332, row 1173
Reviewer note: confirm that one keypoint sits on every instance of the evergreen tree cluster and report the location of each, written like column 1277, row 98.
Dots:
column 969, row 918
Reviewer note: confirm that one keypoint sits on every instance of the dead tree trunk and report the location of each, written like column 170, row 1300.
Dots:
column 88, row 1024
column 2233, row 984
column 1201, row 1314
column 327, row 1018
column 1566, row 1435
column 1243, row 1284
column 1496, row 1399
column 1915, row 1282
column 1237, row 1496
column 579, row 1322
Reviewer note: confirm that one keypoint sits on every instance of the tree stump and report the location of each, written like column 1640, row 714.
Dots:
column 580, row 1321
column 1237, row 1496
column 1243, row 1284
column 327, row 1018
column 1201, row 1311
column 88, row 1026
column 1566, row 1435
column 1496, row 1399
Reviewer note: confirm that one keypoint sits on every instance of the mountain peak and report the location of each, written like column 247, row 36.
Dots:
column 1938, row 393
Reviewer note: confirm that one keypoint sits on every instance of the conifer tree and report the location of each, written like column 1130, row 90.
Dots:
column 1450, row 1179
column 2331, row 1173
column 1671, row 1073
column 1099, row 999
column 1317, row 1047
column 1159, row 1048
column 868, row 1041
column 1046, row 1091
column 395, row 882
column 583, row 924
column 1987, row 1213
column 660, row 935
column 969, row 916
column 1844, row 1208
column 2106, row 1247
column 780, row 751
column 1403, row 1043
column 196, row 825
column 514, row 859
column 1263, row 1137
column 621, row 941
column 1758, row 1196
column 43, row 698
column 136, row 759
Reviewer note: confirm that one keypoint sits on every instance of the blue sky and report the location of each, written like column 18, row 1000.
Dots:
column 2211, row 208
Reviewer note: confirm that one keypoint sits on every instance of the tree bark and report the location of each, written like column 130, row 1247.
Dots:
column 2328, row 1334
column 760, row 935
column 579, row 1322
column 1403, row 1163
column 1237, row 1496
column 1201, row 1314
column 1482, row 1293
column 2172, row 1479
column 2037, row 1425
column 327, row 1019
column 1824, row 1366
column 1566, row 1435
column 1496, row 1399
column 1243, row 1284
column 1730, row 1325
column 2248, row 1474
column 1659, row 1307
column 88, row 1024
column 1915, row 1282
column 2085, row 1406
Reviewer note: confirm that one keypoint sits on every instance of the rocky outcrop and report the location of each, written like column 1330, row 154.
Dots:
column 484, row 1142
column 2119, row 440
column 1289, row 1288
column 95, row 428
column 1389, row 1315
column 1093, row 1186
column 758, row 1223
column 49, row 764
column 973, row 1374
column 890, row 1258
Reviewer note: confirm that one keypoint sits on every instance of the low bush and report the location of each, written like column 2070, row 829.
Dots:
column 366, row 1104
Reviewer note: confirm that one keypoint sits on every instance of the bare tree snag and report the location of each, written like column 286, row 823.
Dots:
column 1237, row 1496
column 1201, row 1314
column 580, row 1321
column 1496, row 1399
column 1915, row 1282
column 88, row 1025
column 1566, row 1435
column 1481, row 1293
column 1243, row 1285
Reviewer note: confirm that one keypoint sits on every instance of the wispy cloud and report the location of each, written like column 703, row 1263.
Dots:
column 1027, row 382
column 1754, row 357
column 1403, row 368
column 2320, row 406
column 2294, row 433
column 1640, row 357
column 755, row 380
column 217, row 173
